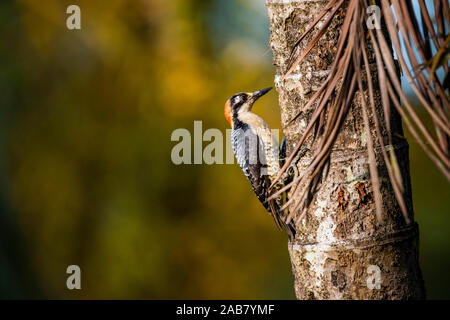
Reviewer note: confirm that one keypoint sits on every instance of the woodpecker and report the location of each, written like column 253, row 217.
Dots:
column 256, row 150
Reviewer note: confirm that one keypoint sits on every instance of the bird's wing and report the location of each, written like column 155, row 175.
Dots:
column 248, row 149
column 249, row 152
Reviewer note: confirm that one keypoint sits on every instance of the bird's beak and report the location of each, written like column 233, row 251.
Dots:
column 258, row 94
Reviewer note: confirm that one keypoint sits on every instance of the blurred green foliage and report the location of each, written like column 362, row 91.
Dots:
column 86, row 176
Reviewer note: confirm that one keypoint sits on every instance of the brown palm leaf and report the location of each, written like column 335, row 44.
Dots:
column 358, row 47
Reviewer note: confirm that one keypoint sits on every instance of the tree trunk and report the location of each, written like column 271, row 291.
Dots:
column 340, row 252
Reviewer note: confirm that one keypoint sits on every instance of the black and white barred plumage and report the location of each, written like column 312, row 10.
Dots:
column 256, row 149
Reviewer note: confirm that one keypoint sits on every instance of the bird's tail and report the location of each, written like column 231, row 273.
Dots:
column 279, row 218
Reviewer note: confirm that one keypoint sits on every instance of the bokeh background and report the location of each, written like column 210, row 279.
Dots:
column 86, row 176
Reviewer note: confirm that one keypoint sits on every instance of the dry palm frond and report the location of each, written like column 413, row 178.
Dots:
column 333, row 100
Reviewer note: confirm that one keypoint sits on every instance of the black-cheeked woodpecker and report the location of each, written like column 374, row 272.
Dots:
column 256, row 150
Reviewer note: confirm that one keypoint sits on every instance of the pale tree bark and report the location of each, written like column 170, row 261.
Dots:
column 340, row 252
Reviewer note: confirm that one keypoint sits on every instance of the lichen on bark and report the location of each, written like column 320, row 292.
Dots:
column 340, row 250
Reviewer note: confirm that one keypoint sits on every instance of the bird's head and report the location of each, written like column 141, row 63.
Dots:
column 242, row 102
